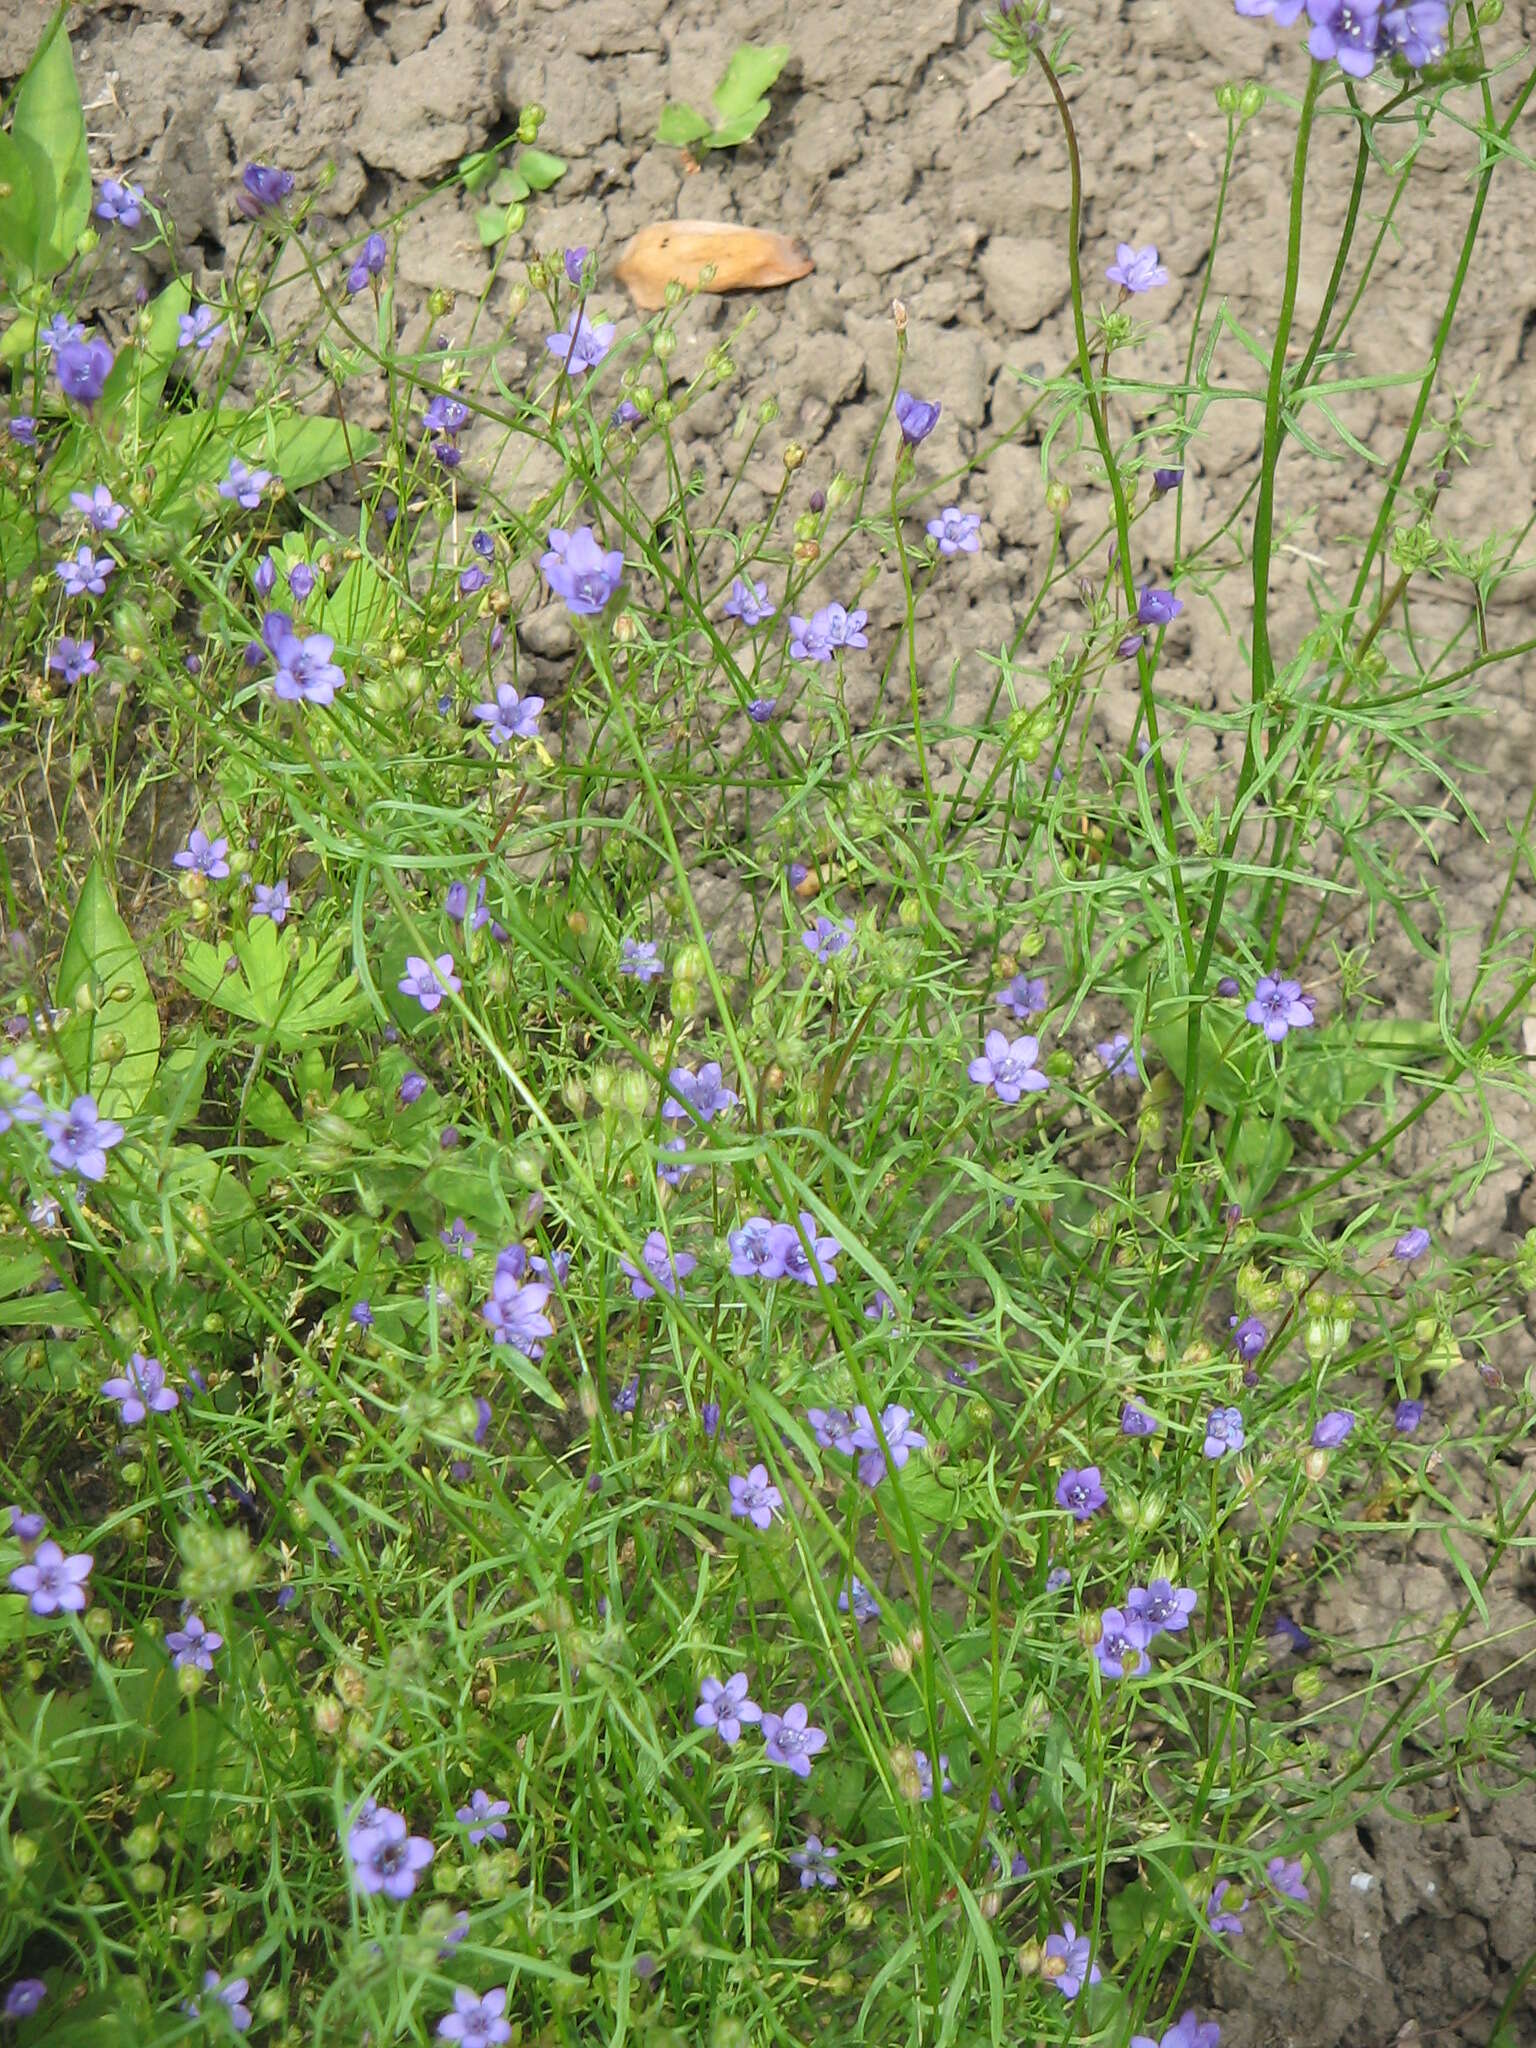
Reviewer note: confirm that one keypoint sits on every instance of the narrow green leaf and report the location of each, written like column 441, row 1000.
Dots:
column 747, row 79
column 111, row 1048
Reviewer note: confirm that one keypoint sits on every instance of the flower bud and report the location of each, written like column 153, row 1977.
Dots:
column 1226, row 97
column 1250, row 99
column 328, row 1716
column 1029, row 1959
column 1315, row 1464
column 24, row 1851
column 899, row 315
column 98, row 1624
column 691, row 963
column 794, row 456
column 141, row 1844
column 1058, row 496
column 149, row 1880
column 635, row 1091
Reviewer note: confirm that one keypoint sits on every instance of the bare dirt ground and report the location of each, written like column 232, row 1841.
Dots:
column 900, row 151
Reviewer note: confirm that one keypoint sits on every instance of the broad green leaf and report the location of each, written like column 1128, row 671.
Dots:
column 680, row 126
column 491, row 225
column 1261, row 1154
column 112, row 1047
column 540, row 170
column 358, row 609
column 48, row 127
column 140, row 372
column 18, row 234
column 20, row 337
column 477, row 170
column 289, row 987
column 747, row 79
column 741, row 127
column 511, row 187
column 194, row 448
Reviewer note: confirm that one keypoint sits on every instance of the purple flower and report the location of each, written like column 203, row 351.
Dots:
column 709, row 1416
column 755, row 1499
column 509, row 717
column 1186, row 2032
column 857, row 1598
column 84, row 571
column 574, row 261
column 22, row 428
column 1219, row 1916
column 1137, row 1421
column 459, row 1238
column 761, row 709
column 72, row 659
column 200, row 328
column 757, row 1251
column 203, row 856
column 1279, row 1006
column 916, row 417
column 370, row 262
column 79, row 1139
column 472, row 579
column 725, row 1707
column 901, row 1440
column 429, row 980
column 264, row 188
column 924, row 1771
column 957, row 532
column 304, row 671
column 456, row 905
column 1417, row 32
column 99, row 508
column 1332, row 1429
column 581, row 573
column 582, row 343
column 24, row 1105
column 819, row 637
column 749, row 602
column 790, row 1740
column 482, row 1817
column 1080, row 1493
column 832, row 935
column 82, row 368
column 386, row 1857
column 1165, row 480
column 1120, row 1058
column 1229, row 988
column 662, row 1269
column 53, row 1582
column 1122, row 1645
column 514, row 1314
column 244, row 486
column 231, row 1996
column 1008, row 1069
column 1248, row 1338
column 1289, row 1879
column 811, row 1262
column 412, row 1088
column 141, row 1390
column 627, row 1399
column 1057, row 1579
column 25, row 1527
column 120, row 203
column 1136, row 270
column 193, row 1644
column 1156, row 607
column 640, row 958
column 1346, row 30
column 1413, row 1244
column 362, row 1314
column 833, row 1429
column 1407, row 1416
column 703, row 1092
column 1072, row 1955
column 476, row 2021
column 60, row 332
column 301, row 580
column 1164, row 1607
column 814, row 1863
column 673, row 1170
column 1223, row 1432
column 1023, row 998
column 23, row 1998
column 880, row 1308
column 445, row 415
column 271, row 900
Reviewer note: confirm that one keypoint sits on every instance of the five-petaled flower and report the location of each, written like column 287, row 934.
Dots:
column 53, row 1581
column 429, row 980
column 385, row 1856
column 1136, row 270
column 660, row 1269
column 1080, row 1492
column 80, row 1137
column 790, row 1739
column 1008, row 1067
column 956, row 532
column 477, row 2020
column 141, row 1390
column 193, row 1644
column 582, row 343
column 482, row 1818
column 726, row 1708
column 1279, row 1007
column 754, row 1497
column 1069, row 1963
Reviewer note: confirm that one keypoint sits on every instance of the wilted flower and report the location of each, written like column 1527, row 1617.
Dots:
column 264, row 187
column 1248, row 1338
column 790, row 1739
column 726, row 1707
column 1407, row 1416
column 923, row 1772
column 1413, row 1244
column 370, row 262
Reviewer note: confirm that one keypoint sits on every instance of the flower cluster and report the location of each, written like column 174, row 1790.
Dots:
column 1358, row 35
column 789, row 1739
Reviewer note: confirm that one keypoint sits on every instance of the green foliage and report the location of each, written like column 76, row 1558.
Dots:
column 45, row 169
column 109, row 1040
column 508, row 187
column 740, row 101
